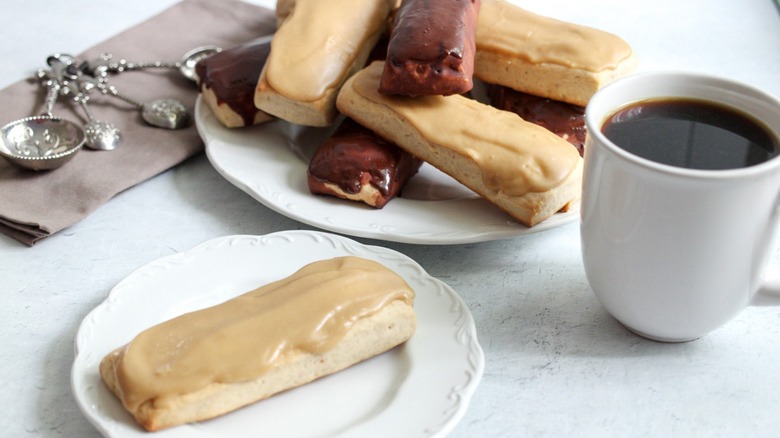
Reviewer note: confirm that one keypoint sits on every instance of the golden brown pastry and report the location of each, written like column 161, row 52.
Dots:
column 327, row 316
column 524, row 169
column 315, row 49
column 563, row 119
column 546, row 57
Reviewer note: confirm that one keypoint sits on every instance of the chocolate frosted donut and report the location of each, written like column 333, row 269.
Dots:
column 228, row 78
column 354, row 163
column 432, row 48
column 564, row 119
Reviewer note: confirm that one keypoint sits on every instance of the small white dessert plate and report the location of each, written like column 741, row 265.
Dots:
column 420, row 389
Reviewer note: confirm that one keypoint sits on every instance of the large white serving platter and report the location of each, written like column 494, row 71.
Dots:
column 269, row 162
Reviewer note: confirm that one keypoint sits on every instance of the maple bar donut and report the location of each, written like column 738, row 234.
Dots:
column 524, row 169
column 546, row 57
column 315, row 49
column 356, row 164
column 431, row 48
column 283, row 10
column 227, row 82
column 325, row 317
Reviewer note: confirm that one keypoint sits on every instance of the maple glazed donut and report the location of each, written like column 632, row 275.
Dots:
column 524, row 169
column 564, row 119
column 327, row 316
column 546, row 57
column 317, row 46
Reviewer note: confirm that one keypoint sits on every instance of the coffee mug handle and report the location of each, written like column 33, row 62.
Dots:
column 769, row 292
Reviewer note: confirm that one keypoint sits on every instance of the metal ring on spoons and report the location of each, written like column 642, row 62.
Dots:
column 42, row 142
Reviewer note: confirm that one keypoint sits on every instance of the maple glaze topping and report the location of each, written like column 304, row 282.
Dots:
column 505, row 28
column 516, row 157
column 309, row 56
column 564, row 119
column 240, row 339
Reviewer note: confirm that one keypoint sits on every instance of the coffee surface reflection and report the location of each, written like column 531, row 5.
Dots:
column 693, row 134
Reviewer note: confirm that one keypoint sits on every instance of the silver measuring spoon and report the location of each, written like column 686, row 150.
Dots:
column 191, row 58
column 162, row 113
column 101, row 135
column 103, row 64
column 42, row 142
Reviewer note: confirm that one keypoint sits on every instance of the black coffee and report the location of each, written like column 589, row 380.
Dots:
column 691, row 133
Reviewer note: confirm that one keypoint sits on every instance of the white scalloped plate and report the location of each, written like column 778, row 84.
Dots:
column 420, row 389
column 269, row 162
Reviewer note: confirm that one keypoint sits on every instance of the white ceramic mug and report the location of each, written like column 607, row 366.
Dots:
column 674, row 253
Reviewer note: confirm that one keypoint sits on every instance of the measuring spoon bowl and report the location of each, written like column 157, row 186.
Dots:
column 188, row 61
column 40, row 142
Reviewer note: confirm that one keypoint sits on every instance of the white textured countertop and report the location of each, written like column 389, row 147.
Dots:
column 556, row 363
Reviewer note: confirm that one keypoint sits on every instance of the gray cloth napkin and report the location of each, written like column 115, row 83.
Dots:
column 34, row 205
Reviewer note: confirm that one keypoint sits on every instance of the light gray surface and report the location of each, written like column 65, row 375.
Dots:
column 556, row 364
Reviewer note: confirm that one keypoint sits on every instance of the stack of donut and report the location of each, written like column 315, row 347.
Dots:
column 514, row 152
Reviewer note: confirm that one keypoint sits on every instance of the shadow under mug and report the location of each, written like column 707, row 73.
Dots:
column 674, row 253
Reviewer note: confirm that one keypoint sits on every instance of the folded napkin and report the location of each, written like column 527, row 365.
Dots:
column 34, row 205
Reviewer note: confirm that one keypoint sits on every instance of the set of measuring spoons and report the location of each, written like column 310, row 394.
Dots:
column 46, row 141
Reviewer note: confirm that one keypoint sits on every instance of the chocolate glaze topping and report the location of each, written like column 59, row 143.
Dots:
column 564, row 119
column 232, row 74
column 354, row 156
column 431, row 49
